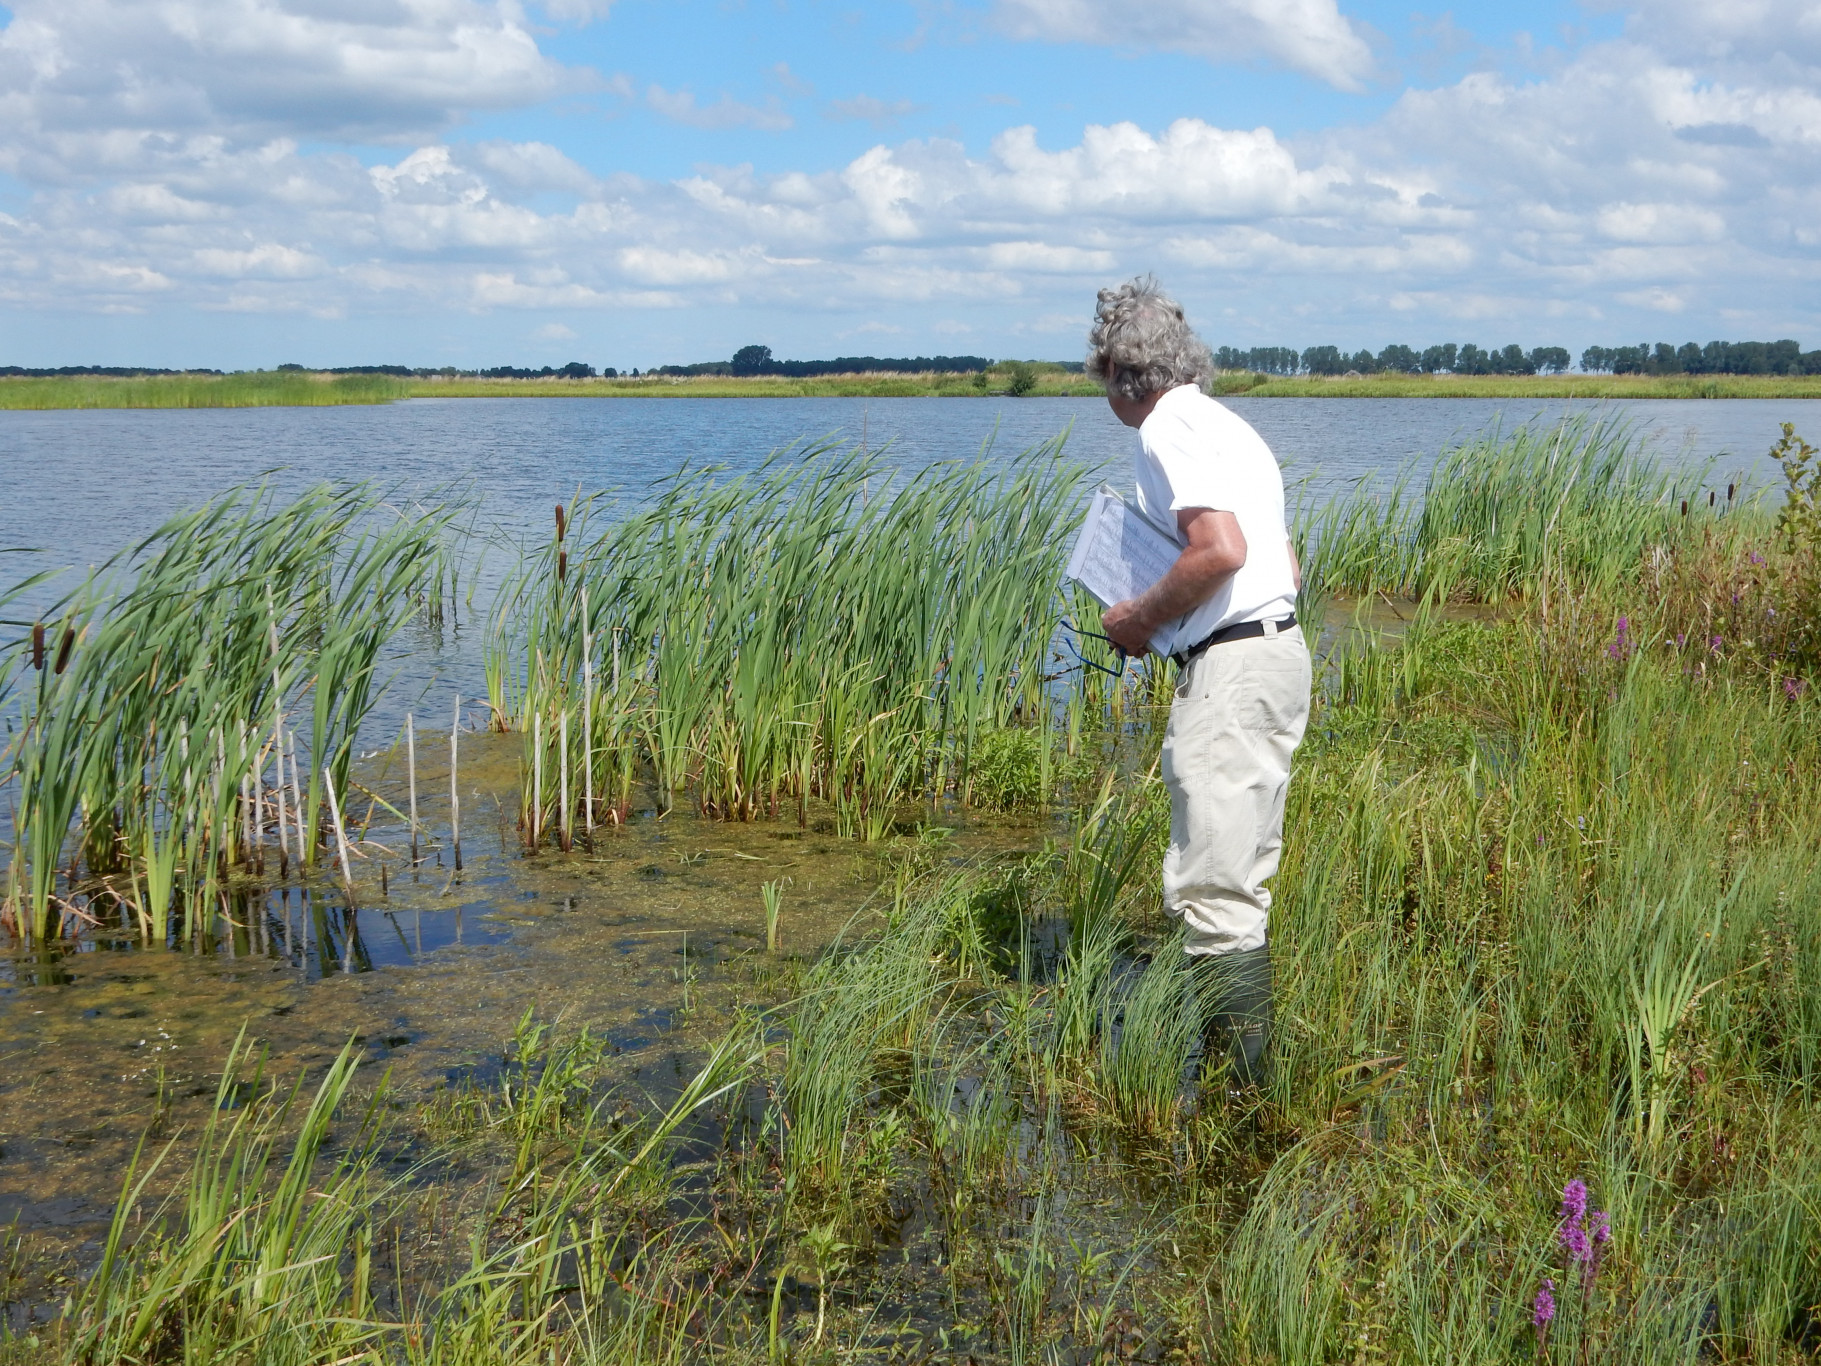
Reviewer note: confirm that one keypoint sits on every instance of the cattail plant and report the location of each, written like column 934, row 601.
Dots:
column 140, row 741
column 790, row 635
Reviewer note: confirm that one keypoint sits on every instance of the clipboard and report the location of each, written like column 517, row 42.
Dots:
column 1119, row 554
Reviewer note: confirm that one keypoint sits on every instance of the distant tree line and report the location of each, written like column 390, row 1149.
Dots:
column 758, row 360
column 574, row 370
column 1716, row 358
column 1449, row 358
column 97, row 371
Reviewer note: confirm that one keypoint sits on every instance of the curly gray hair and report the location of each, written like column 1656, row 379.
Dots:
column 1141, row 344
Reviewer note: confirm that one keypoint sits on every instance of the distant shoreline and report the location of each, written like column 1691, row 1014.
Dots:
column 258, row 389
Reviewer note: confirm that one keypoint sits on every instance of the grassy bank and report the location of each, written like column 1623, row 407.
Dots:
column 251, row 389
column 262, row 389
column 1548, row 1041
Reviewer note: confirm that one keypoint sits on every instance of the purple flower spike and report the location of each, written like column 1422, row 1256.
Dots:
column 1602, row 1227
column 1574, row 1240
column 1545, row 1305
column 1574, row 1201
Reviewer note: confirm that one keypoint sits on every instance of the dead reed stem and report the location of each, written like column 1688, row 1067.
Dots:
column 341, row 836
column 411, row 775
column 455, row 794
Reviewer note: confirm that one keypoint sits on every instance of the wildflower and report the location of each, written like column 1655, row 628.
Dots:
column 1574, row 1240
column 1544, row 1310
column 1601, row 1227
column 1792, row 687
column 1574, row 1199
column 1715, row 644
column 1756, row 558
column 1621, row 646
column 1573, row 1232
column 1681, row 640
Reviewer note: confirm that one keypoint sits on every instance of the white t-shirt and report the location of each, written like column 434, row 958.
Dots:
column 1196, row 453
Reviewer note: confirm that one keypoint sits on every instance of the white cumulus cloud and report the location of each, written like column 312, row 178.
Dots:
column 175, row 155
column 1310, row 36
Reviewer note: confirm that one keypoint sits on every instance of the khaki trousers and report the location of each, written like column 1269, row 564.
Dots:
column 1239, row 714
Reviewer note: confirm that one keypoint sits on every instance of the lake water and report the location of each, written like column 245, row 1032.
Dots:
column 80, row 484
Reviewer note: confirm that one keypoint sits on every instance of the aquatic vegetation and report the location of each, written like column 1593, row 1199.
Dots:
column 248, row 389
column 815, row 630
column 153, row 732
column 1499, row 515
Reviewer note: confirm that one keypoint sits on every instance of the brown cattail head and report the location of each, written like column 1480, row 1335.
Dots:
column 1710, row 498
column 1729, row 491
column 63, row 649
column 562, row 521
column 1685, row 507
column 38, row 645
column 562, row 566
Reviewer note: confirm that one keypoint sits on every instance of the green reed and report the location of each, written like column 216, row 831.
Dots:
column 1499, row 514
column 816, row 629
column 147, row 739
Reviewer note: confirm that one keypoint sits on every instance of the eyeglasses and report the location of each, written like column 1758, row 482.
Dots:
column 1119, row 653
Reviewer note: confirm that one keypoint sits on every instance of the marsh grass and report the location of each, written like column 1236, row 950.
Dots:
column 247, row 389
column 1582, row 500
column 145, row 749
column 1047, row 381
column 817, row 630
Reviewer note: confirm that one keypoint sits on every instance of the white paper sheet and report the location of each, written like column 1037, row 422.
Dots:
column 1119, row 554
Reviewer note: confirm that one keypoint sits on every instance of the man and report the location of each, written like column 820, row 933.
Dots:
column 1242, row 690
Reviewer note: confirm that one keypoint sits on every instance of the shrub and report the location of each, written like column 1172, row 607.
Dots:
column 1021, row 378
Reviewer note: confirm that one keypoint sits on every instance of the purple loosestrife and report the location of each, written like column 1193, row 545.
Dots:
column 1622, row 644
column 1542, row 1313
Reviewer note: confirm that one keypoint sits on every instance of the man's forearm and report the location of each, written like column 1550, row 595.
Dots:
column 1196, row 576
column 1216, row 549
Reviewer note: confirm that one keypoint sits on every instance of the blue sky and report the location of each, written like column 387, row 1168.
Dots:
column 238, row 183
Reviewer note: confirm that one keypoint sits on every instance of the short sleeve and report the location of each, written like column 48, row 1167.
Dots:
column 1189, row 465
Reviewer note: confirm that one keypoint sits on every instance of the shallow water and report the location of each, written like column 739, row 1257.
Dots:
column 639, row 933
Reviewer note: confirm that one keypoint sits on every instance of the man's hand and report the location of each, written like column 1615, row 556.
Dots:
column 1124, row 627
column 1216, row 550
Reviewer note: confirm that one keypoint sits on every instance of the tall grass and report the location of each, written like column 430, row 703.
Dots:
column 815, row 629
column 148, row 733
column 247, row 389
column 1582, row 500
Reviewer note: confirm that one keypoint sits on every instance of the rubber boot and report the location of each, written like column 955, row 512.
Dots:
column 1234, row 993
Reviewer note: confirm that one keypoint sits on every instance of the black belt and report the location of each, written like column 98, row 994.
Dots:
column 1245, row 630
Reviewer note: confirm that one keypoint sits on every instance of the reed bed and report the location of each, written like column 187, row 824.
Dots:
column 159, row 705
column 815, row 630
column 246, row 389
column 1583, row 500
